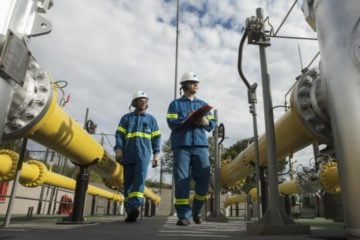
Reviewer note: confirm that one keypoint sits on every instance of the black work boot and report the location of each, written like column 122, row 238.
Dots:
column 132, row 215
column 196, row 218
column 183, row 222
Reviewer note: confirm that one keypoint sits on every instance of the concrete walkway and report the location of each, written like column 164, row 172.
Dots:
column 151, row 228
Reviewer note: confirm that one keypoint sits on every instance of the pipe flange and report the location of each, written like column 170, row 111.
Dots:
column 14, row 161
column 41, row 177
column 30, row 102
column 236, row 186
column 309, row 100
column 324, row 170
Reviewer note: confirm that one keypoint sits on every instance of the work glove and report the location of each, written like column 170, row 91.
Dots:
column 156, row 160
column 118, row 155
column 202, row 121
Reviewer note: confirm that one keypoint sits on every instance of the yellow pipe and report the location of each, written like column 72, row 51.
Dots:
column 290, row 135
column 34, row 173
column 58, row 131
column 328, row 179
column 285, row 188
column 151, row 195
column 238, row 198
column 289, row 187
column 328, row 176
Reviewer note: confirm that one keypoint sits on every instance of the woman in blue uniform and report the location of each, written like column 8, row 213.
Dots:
column 137, row 139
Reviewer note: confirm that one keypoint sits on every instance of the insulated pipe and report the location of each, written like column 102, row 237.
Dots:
column 34, row 173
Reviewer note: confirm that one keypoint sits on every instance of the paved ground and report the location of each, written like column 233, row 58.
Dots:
column 151, row 228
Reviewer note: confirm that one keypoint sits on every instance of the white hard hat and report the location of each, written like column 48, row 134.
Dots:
column 139, row 94
column 189, row 76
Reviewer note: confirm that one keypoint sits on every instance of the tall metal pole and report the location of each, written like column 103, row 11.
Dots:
column 316, row 151
column 172, row 211
column 253, row 100
column 217, row 169
column 176, row 48
column 273, row 213
column 216, row 215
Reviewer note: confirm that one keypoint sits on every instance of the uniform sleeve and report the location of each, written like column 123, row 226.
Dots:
column 212, row 122
column 120, row 134
column 172, row 117
column 155, row 137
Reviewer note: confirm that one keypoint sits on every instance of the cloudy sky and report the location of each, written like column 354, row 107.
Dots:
column 108, row 49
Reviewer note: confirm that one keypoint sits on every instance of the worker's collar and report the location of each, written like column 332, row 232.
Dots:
column 192, row 98
column 138, row 113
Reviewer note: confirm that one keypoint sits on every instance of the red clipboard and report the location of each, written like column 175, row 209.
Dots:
column 199, row 113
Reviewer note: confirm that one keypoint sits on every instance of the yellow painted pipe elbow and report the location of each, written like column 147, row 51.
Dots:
column 35, row 173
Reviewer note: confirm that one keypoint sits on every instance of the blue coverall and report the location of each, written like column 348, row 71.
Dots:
column 190, row 149
column 138, row 136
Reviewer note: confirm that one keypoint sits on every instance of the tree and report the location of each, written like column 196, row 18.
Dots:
column 238, row 147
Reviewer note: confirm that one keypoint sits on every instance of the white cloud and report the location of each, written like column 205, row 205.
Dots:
column 107, row 50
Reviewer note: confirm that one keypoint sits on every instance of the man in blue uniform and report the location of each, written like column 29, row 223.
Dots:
column 190, row 149
column 137, row 138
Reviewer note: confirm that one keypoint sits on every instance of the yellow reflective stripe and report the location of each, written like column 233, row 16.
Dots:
column 182, row 201
column 210, row 117
column 172, row 115
column 138, row 134
column 200, row 197
column 155, row 133
column 136, row 194
column 121, row 129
